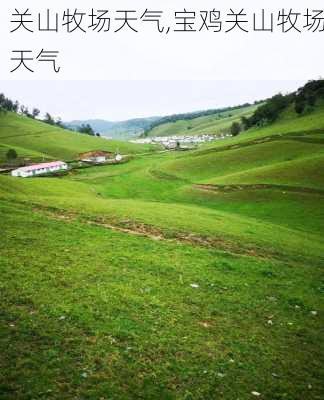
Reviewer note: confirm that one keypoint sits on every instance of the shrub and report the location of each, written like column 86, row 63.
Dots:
column 11, row 154
column 235, row 128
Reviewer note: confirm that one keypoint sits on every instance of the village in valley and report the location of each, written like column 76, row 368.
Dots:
column 181, row 141
column 184, row 263
column 101, row 157
column 96, row 157
column 20, row 166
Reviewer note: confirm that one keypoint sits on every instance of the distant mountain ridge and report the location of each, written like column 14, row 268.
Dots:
column 135, row 127
column 119, row 129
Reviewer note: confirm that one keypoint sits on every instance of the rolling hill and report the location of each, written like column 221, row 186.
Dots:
column 289, row 151
column 177, row 275
column 121, row 130
column 215, row 123
column 36, row 140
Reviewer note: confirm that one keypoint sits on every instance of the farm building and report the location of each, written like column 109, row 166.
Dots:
column 97, row 156
column 39, row 169
column 118, row 157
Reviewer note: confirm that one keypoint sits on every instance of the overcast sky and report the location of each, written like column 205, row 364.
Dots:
column 119, row 100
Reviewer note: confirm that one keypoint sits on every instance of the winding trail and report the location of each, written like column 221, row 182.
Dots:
column 258, row 186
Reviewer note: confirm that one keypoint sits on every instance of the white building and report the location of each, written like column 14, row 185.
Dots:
column 39, row 169
column 168, row 141
column 118, row 157
column 96, row 156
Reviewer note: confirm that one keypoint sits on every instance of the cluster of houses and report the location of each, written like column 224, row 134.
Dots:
column 180, row 142
column 91, row 157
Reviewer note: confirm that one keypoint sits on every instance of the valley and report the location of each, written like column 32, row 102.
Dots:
column 175, row 275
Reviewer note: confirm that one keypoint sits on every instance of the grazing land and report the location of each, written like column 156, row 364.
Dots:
column 177, row 275
column 35, row 140
column 214, row 124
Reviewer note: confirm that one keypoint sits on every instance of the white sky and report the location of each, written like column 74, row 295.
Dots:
column 150, row 55
column 119, row 100
column 125, row 75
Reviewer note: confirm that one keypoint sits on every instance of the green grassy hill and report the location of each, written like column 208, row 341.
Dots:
column 291, row 146
column 178, row 275
column 34, row 139
column 211, row 124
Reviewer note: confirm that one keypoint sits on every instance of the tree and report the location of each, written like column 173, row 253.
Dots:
column 24, row 110
column 86, row 129
column 59, row 122
column 49, row 119
column 311, row 100
column 7, row 104
column 235, row 128
column 2, row 103
column 2, row 99
column 299, row 106
column 16, row 106
column 35, row 112
column 11, row 155
column 245, row 122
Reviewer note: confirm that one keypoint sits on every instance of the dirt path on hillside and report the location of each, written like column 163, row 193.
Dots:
column 258, row 186
column 157, row 234
column 261, row 140
column 219, row 243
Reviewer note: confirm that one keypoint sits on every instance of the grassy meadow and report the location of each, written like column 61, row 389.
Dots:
column 212, row 124
column 176, row 275
column 34, row 139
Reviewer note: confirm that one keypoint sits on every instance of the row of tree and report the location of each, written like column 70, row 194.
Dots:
column 303, row 100
column 305, row 97
column 189, row 116
column 267, row 112
column 87, row 130
column 8, row 105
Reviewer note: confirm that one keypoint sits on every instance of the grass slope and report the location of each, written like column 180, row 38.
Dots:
column 97, row 267
column 33, row 138
column 201, row 166
column 288, row 152
column 211, row 124
column 289, row 123
column 91, row 313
